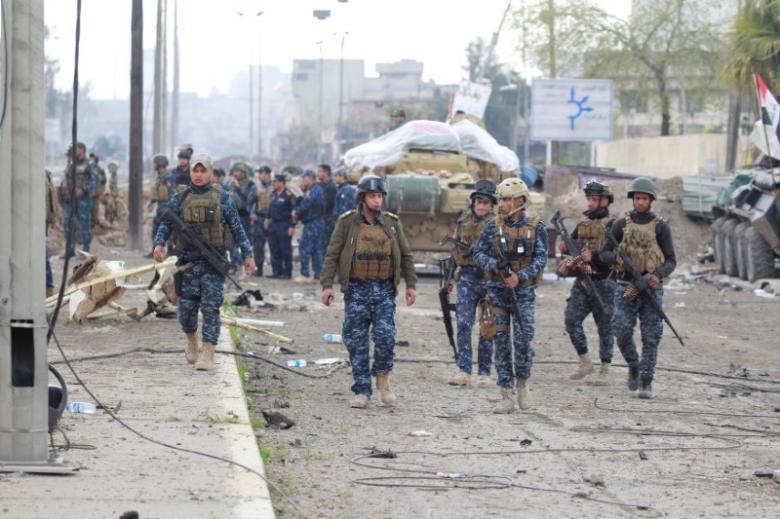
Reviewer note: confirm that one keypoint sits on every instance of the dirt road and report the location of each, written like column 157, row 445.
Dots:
column 583, row 451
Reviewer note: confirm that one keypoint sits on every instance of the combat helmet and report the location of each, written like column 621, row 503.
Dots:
column 242, row 166
column 513, row 187
column 160, row 160
column 485, row 189
column 642, row 185
column 594, row 187
column 371, row 184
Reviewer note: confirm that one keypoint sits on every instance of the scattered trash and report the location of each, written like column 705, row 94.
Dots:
column 451, row 475
column 765, row 292
column 329, row 360
column 525, row 443
column 776, row 476
column 764, row 473
column 81, row 408
column 380, row 453
column 738, row 371
column 297, row 363
column 297, row 296
column 243, row 299
column 403, row 344
column 597, row 480
column 681, row 304
column 417, row 434
column 643, row 455
column 332, row 338
column 277, row 420
column 115, row 252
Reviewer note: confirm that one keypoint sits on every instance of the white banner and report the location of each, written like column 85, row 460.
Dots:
column 571, row 110
column 471, row 98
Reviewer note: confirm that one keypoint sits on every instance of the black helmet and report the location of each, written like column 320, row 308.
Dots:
column 372, row 184
column 160, row 160
column 594, row 187
column 486, row 189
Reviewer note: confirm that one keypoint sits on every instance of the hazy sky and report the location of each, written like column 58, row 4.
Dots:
column 216, row 43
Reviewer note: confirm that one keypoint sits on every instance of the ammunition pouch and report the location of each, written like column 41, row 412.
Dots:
column 488, row 328
column 177, row 278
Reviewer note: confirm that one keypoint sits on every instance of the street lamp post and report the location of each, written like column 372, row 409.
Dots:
column 340, row 127
column 251, row 99
column 319, row 124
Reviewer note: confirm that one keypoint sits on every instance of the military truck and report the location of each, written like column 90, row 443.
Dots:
column 431, row 168
column 746, row 234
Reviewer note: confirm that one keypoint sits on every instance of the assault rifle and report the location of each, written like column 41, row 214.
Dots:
column 447, row 269
column 505, row 271
column 640, row 283
column 576, row 254
column 203, row 248
column 462, row 245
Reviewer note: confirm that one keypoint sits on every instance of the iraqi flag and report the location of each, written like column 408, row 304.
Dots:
column 768, row 127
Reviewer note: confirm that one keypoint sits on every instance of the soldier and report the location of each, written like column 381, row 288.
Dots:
column 86, row 181
column 329, row 189
column 398, row 118
column 113, row 180
column 346, row 196
column 219, row 178
column 280, row 227
column 472, row 284
column 590, row 238
column 52, row 215
column 647, row 239
column 264, row 194
column 107, row 231
column 371, row 253
column 210, row 213
column 310, row 212
column 162, row 192
column 513, row 250
column 181, row 173
column 244, row 195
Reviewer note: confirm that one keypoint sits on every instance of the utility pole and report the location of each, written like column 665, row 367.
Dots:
column 340, row 126
column 259, row 88
column 23, row 363
column 157, row 129
column 164, row 94
column 553, row 151
column 175, row 93
column 251, row 113
column 135, row 218
column 322, row 88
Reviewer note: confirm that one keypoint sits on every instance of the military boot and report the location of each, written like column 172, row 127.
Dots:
column 191, row 351
column 507, row 404
column 461, row 379
column 633, row 378
column 206, row 358
column 584, row 369
column 645, row 388
column 523, row 398
column 383, row 386
column 359, row 402
column 485, row 382
column 602, row 379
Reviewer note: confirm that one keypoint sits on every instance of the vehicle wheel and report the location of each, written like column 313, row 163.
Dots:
column 760, row 258
column 715, row 230
column 729, row 249
column 740, row 239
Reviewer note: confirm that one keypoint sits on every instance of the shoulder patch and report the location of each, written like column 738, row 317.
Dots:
column 348, row 213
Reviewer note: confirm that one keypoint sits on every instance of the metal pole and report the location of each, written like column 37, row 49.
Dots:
column 164, row 88
column 340, row 128
column 526, row 97
column 135, row 218
column 23, row 363
column 319, row 125
column 260, row 91
column 156, row 130
column 251, row 112
column 175, row 94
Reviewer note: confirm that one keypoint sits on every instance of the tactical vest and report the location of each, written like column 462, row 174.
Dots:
column 264, row 196
column 81, row 176
column 241, row 200
column 468, row 231
column 590, row 233
column 640, row 244
column 202, row 212
column 518, row 247
column 51, row 203
column 161, row 193
column 100, row 173
column 373, row 254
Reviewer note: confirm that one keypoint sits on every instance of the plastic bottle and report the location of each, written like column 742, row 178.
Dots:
column 81, row 407
column 297, row 363
column 332, row 338
column 417, row 434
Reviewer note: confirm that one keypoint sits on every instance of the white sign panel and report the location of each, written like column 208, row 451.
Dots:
column 471, row 98
column 571, row 110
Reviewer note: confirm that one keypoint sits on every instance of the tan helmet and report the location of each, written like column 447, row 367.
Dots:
column 512, row 187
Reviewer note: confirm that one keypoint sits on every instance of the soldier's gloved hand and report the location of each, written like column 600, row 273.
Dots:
column 159, row 253
column 566, row 266
column 249, row 265
column 653, row 281
column 586, row 255
column 327, row 296
column 630, row 292
column 502, row 264
column 562, row 248
column 411, row 296
column 586, row 269
column 512, row 280
column 266, row 223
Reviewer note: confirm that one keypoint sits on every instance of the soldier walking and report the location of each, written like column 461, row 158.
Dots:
column 86, row 182
column 181, row 173
column 647, row 240
column 244, row 195
column 371, row 253
column 590, row 238
column 513, row 249
column 471, row 286
column 163, row 190
column 210, row 213
column 264, row 194
column 346, row 197
column 310, row 212
column 329, row 191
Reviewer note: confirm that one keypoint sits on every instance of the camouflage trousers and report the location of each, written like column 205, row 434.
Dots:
column 522, row 335
column 84, row 218
column 201, row 289
column 581, row 303
column 470, row 292
column 651, row 327
column 161, row 208
column 310, row 249
column 329, row 224
column 369, row 305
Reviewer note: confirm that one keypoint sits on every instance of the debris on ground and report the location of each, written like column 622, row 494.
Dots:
column 276, row 420
column 738, row 371
column 381, row 453
column 247, row 297
column 597, row 480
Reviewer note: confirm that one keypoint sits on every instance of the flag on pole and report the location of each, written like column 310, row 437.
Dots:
column 770, row 108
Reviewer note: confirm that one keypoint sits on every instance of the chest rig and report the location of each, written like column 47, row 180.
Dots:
column 640, row 244
column 373, row 258
column 517, row 244
column 202, row 212
column 468, row 231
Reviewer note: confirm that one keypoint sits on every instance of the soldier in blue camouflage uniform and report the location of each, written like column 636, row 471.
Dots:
column 647, row 239
column 208, row 211
column 329, row 191
column 512, row 249
column 346, row 198
column 162, row 192
column 371, row 254
column 310, row 212
column 86, row 181
column 280, row 227
column 472, row 284
column 181, row 173
column 243, row 192
column 259, row 234
column 590, row 238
